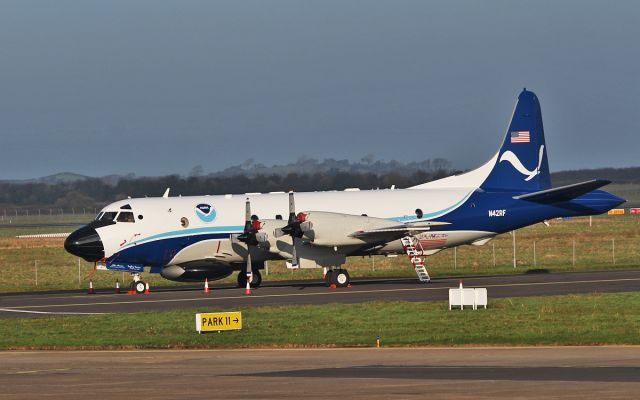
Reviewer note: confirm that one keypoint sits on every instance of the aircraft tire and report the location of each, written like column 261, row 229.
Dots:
column 241, row 279
column 328, row 278
column 139, row 287
column 256, row 281
column 341, row 278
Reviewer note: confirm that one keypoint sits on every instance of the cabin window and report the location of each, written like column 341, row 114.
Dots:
column 126, row 216
column 279, row 217
column 140, row 216
column 184, row 221
column 419, row 213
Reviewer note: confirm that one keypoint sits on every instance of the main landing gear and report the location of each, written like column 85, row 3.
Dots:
column 338, row 277
column 256, row 279
column 137, row 284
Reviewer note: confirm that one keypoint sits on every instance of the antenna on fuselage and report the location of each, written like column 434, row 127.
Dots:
column 166, row 193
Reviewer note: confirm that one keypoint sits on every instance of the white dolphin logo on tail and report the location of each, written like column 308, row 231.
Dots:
column 517, row 164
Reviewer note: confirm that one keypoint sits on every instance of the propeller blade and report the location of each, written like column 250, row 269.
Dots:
column 292, row 208
column 294, row 254
column 248, row 269
column 247, row 213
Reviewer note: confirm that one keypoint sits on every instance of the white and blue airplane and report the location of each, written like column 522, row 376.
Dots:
column 197, row 237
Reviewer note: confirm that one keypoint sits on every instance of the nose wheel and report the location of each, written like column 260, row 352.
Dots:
column 137, row 285
column 256, row 279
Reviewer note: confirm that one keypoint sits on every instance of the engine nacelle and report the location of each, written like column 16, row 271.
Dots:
column 196, row 272
column 335, row 229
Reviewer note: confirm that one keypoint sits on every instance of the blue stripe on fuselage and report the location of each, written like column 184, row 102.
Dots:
column 160, row 251
column 188, row 232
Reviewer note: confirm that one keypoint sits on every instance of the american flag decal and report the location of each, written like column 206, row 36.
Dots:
column 520, row 137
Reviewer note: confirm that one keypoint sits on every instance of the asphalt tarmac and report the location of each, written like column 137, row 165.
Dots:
column 314, row 292
column 609, row 372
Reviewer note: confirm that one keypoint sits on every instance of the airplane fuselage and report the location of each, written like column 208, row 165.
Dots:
column 164, row 229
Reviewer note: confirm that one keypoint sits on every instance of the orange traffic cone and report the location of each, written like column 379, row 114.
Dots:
column 324, row 273
column 91, row 291
column 117, row 286
column 247, row 290
column 146, row 288
column 206, row 285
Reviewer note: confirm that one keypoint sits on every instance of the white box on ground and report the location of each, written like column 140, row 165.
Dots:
column 480, row 297
column 468, row 297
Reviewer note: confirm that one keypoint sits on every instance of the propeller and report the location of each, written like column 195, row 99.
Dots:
column 250, row 234
column 296, row 227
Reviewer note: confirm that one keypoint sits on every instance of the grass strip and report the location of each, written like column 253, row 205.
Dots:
column 584, row 319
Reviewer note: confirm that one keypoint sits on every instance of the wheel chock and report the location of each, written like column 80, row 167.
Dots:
column 333, row 286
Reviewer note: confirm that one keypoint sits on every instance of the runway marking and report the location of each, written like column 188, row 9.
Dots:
column 17, row 310
column 200, row 299
column 42, row 370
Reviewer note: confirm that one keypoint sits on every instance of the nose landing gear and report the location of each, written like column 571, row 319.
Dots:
column 256, row 279
column 137, row 285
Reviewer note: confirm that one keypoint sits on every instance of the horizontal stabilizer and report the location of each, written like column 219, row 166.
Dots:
column 563, row 193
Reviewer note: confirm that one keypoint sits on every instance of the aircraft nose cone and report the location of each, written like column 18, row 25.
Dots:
column 85, row 243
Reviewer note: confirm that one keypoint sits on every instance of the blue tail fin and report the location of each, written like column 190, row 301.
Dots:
column 522, row 163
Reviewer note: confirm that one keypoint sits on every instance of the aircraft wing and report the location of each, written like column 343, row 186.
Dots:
column 390, row 233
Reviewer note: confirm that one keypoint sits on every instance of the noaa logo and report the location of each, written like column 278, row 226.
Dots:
column 206, row 212
column 510, row 157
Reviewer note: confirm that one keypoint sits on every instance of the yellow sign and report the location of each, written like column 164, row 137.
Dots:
column 221, row 321
column 616, row 211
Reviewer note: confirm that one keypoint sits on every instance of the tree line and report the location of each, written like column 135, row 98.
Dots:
column 96, row 192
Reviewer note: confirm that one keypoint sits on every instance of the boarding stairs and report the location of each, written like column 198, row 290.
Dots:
column 414, row 250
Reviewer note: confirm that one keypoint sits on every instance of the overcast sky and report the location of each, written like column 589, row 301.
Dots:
column 156, row 87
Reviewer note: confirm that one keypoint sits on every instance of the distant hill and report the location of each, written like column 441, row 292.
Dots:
column 332, row 167
column 367, row 165
column 62, row 177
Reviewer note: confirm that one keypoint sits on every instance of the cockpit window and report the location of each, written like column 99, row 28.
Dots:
column 107, row 216
column 126, row 207
column 126, row 216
